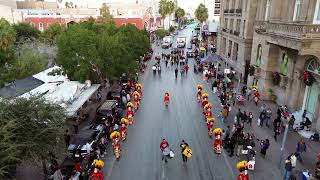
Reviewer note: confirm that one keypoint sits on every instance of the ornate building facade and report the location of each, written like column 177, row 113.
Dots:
column 285, row 56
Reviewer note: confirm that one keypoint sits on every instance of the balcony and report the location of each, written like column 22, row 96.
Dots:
column 231, row 10
column 238, row 11
column 236, row 33
column 288, row 30
column 226, row 11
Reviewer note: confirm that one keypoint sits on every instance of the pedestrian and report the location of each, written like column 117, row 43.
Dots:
column 76, row 125
column 317, row 170
column 164, row 147
column 291, row 122
column 264, row 145
column 300, row 148
column 238, row 116
column 250, row 118
column 276, row 129
column 287, row 169
column 256, row 97
column 268, row 116
column 240, row 142
column 176, row 72
column 232, row 145
column 214, row 86
column 67, row 138
column 262, row 117
column 293, row 159
column 244, row 117
column 183, row 146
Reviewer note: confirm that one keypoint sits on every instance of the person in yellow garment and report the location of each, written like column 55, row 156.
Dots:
column 184, row 147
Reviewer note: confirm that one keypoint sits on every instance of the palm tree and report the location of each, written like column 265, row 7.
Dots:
column 179, row 13
column 171, row 8
column 201, row 13
column 163, row 9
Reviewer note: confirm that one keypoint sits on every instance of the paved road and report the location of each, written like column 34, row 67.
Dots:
column 141, row 157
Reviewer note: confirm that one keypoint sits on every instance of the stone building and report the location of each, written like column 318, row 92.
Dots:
column 286, row 54
column 236, row 33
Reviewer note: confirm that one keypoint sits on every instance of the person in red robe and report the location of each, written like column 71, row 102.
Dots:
column 166, row 98
column 96, row 175
column 136, row 99
column 243, row 167
column 123, row 132
column 207, row 111
column 199, row 93
column 217, row 145
column 130, row 113
column 139, row 89
column 210, row 128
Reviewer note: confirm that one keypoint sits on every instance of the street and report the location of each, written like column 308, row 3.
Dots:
column 141, row 156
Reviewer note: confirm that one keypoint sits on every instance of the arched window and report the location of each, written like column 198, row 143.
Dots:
column 258, row 58
column 284, row 64
column 314, row 66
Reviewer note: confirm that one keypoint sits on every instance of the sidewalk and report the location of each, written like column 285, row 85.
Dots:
column 273, row 153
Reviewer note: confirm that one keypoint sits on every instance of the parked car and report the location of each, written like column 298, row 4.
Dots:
column 106, row 110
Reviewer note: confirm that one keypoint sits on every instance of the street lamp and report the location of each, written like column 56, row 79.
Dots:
column 283, row 142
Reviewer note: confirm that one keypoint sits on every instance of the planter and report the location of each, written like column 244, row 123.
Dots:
column 308, row 79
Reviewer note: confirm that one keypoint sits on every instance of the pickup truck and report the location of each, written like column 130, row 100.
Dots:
column 181, row 42
column 166, row 42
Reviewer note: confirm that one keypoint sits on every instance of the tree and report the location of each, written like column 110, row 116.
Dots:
column 26, row 31
column 201, row 13
column 171, row 8
column 30, row 130
column 105, row 16
column 163, row 9
column 7, row 40
column 51, row 33
column 28, row 63
column 99, row 51
column 161, row 33
column 179, row 13
column 67, row 4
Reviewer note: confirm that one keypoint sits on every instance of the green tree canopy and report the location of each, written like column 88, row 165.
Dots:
column 105, row 16
column 98, row 51
column 7, row 40
column 201, row 13
column 52, row 32
column 28, row 136
column 160, row 33
column 28, row 63
column 179, row 14
column 26, row 31
column 163, row 8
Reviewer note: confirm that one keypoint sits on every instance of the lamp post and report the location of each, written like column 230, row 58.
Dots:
column 283, row 143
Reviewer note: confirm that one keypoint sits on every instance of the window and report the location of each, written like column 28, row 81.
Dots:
column 284, row 64
column 266, row 15
column 226, row 23
column 259, row 54
column 229, row 49
column 240, row 4
column 244, row 28
column 235, row 52
column 314, row 66
column 231, row 25
column 297, row 10
column 316, row 18
column 233, row 5
column 238, row 25
column 40, row 26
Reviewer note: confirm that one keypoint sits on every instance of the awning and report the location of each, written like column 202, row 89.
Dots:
column 211, row 58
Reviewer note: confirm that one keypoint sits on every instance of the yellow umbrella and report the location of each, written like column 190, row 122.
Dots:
column 202, row 49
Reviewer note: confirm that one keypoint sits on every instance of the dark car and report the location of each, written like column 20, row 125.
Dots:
column 106, row 110
column 114, row 95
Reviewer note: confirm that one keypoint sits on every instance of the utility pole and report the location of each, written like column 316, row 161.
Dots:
column 283, row 143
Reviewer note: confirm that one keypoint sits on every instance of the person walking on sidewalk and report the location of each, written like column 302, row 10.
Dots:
column 264, row 145
column 183, row 146
column 300, row 148
column 268, row 117
column 287, row 169
column 276, row 127
column 250, row 118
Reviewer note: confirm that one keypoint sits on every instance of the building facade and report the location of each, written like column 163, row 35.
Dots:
column 135, row 13
column 285, row 54
column 7, row 12
column 235, row 34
